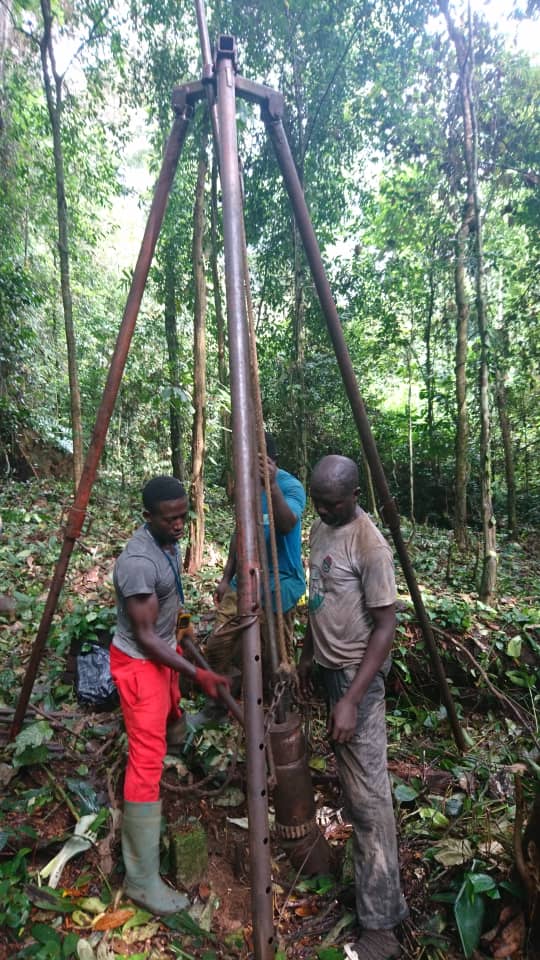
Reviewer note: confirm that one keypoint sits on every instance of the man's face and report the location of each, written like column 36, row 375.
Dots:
column 334, row 507
column 167, row 520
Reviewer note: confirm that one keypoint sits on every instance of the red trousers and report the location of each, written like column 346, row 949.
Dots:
column 149, row 697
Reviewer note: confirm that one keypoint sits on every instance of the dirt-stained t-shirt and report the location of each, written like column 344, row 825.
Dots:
column 351, row 569
column 143, row 568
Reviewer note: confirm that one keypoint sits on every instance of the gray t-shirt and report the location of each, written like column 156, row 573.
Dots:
column 351, row 569
column 143, row 568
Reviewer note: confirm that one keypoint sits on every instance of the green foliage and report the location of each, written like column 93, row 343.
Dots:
column 50, row 944
column 86, row 625
column 14, row 904
column 30, row 743
column 470, row 906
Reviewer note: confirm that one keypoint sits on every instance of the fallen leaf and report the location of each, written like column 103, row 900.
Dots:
column 452, row 852
column 307, row 910
column 110, row 921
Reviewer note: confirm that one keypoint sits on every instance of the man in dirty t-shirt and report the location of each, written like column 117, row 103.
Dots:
column 351, row 628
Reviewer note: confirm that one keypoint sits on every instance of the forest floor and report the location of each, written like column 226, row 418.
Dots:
column 460, row 816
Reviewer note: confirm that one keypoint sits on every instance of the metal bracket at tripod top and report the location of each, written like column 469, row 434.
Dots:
column 270, row 101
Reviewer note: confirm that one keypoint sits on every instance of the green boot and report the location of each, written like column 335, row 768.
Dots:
column 140, row 849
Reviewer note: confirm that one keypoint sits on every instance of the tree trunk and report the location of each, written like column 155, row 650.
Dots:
column 464, row 55
column 223, row 368
column 410, row 435
column 430, row 377
column 299, row 306
column 196, row 532
column 506, row 434
column 52, row 79
column 299, row 360
column 171, row 335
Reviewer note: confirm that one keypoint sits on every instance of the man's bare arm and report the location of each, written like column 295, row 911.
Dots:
column 284, row 518
column 342, row 721
column 142, row 610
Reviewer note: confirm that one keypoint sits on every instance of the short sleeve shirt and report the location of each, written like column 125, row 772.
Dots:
column 351, row 570
column 143, row 568
column 292, row 579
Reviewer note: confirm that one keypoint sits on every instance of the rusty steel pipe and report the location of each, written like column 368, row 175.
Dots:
column 77, row 512
column 246, row 492
column 294, row 802
column 286, row 163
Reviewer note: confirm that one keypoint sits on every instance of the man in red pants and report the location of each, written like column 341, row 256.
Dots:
column 145, row 664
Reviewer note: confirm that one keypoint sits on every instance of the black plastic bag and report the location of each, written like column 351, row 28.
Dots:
column 94, row 685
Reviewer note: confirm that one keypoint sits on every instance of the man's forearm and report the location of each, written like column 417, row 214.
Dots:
column 284, row 518
column 159, row 651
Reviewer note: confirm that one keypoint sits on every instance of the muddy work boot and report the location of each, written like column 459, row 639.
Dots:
column 140, row 849
column 375, row 945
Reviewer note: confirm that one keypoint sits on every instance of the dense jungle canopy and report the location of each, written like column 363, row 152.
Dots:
column 415, row 134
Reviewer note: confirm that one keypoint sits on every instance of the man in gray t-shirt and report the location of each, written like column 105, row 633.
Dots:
column 145, row 664
column 350, row 632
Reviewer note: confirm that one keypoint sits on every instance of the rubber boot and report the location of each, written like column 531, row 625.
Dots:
column 140, row 849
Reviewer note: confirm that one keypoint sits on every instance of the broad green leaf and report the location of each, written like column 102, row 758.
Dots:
column 513, row 647
column 34, row 735
column 469, row 913
column 405, row 793
column 481, row 882
column 48, row 899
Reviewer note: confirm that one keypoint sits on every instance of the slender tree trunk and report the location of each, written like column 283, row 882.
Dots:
column 5, row 33
column 430, row 379
column 464, row 55
column 53, row 84
column 462, row 418
column 223, row 368
column 173, row 351
column 299, row 306
column 506, row 434
column 410, row 437
column 196, row 533
column 372, row 500
column 501, row 396
column 299, row 359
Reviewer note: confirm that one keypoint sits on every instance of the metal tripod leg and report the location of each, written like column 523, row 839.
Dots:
column 77, row 512
column 278, row 137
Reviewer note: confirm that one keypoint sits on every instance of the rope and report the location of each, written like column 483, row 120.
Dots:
column 259, row 425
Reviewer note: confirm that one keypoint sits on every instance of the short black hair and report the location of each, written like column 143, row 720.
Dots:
column 162, row 488
column 271, row 446
column 337, row 473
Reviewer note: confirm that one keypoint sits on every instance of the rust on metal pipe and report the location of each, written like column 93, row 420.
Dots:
column 390, row 514
column 294, row 803
column 77, row 512
column 246, row 492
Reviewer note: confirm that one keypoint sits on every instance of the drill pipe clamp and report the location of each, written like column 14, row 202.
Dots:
column 290, row 831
